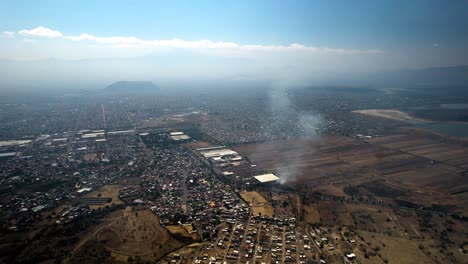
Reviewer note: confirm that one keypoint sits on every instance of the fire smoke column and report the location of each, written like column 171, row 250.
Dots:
column 103, row 116
column 288, row 168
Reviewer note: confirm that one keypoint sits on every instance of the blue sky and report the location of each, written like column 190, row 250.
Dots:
column 241, row 38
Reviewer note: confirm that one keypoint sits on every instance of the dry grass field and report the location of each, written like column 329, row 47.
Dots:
column 175, row 121
column 388, row 113
column 111, row 190
column 412, row 166
column 394, row 235
column 405, row 168
column 311, row 214
column 199, row 144
column 90, row 157
column 184, row 231
column 383, row 248
column 130, row 234
column 258, row 204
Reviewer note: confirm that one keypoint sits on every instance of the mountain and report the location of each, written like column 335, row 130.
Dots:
column 131, row 87
column 438, row 76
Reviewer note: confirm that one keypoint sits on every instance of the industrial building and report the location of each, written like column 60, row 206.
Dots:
column 178, row 136
column 235, row 169
column 267, row 178
column 7, row 155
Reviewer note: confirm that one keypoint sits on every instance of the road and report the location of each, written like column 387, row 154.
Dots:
column 72, row 135
column 185, row 194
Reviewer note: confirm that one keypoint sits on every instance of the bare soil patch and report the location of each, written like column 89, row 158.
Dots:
column 258, row 203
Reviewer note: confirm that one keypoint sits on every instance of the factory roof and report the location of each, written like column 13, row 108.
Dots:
column 218, row 153
column 14, row 142
column 121, row 132
column 266, row 178
column 59, row 139
column 84, row 190
column 210, row 148
column 181, row 137
column 8, row 154
column 92, row 135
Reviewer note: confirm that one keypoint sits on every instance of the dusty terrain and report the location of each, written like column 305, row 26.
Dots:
column 258, row 204
column 395, row 195
column 410, row 166
column 111, row 190
column 388, row 113
column 129, row 233
column 183, row 231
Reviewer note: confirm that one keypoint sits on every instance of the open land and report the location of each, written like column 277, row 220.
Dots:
column 388, row 113
column 259, row 205
column 406, row 166
column 183, row 231
column 131, row 233
column 111, row 191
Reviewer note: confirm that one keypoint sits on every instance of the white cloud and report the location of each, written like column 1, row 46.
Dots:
column 41, row 32
column 435, row 45
column 9, row 34
column 134, row 42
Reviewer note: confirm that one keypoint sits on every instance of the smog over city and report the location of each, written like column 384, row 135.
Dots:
column 234, row 132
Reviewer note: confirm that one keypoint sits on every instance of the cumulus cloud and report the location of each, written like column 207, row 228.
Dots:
column 41, row 32
column 9, row 34
column 134, row 42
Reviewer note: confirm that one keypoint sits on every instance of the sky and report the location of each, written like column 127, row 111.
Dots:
column 99, row 42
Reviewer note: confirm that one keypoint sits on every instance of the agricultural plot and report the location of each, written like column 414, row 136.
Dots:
column 424, row 168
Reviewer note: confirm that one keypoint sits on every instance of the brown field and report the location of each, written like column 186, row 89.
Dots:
column 90, row 157
column 111, row 190
column 395, row 235
column 334, row 213
column 392, row 249
column 388, row 113
column 199, row 144
column 311, row 214
column 184, row 231
column 425, row 168
column 162, row 122
column 258, row 204
column 129, row 233
column 175, row 121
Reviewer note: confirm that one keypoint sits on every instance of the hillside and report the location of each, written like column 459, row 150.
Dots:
column 438, row 76
column 131, row 87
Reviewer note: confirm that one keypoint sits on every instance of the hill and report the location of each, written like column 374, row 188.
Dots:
column 131, row 87
column 132, row 233
column 437, row 76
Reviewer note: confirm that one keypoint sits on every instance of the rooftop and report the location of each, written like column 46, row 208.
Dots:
column 266, row 178
column 8, row 154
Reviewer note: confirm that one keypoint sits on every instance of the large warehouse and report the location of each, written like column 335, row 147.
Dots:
column 266, row 178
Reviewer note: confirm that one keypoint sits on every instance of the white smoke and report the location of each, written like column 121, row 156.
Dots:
column 302, row 124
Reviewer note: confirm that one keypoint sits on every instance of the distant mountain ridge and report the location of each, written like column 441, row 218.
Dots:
column 131, row 86
column 435, row 76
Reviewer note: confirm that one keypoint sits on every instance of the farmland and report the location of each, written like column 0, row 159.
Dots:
column 410, row 166
column 395, row 192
